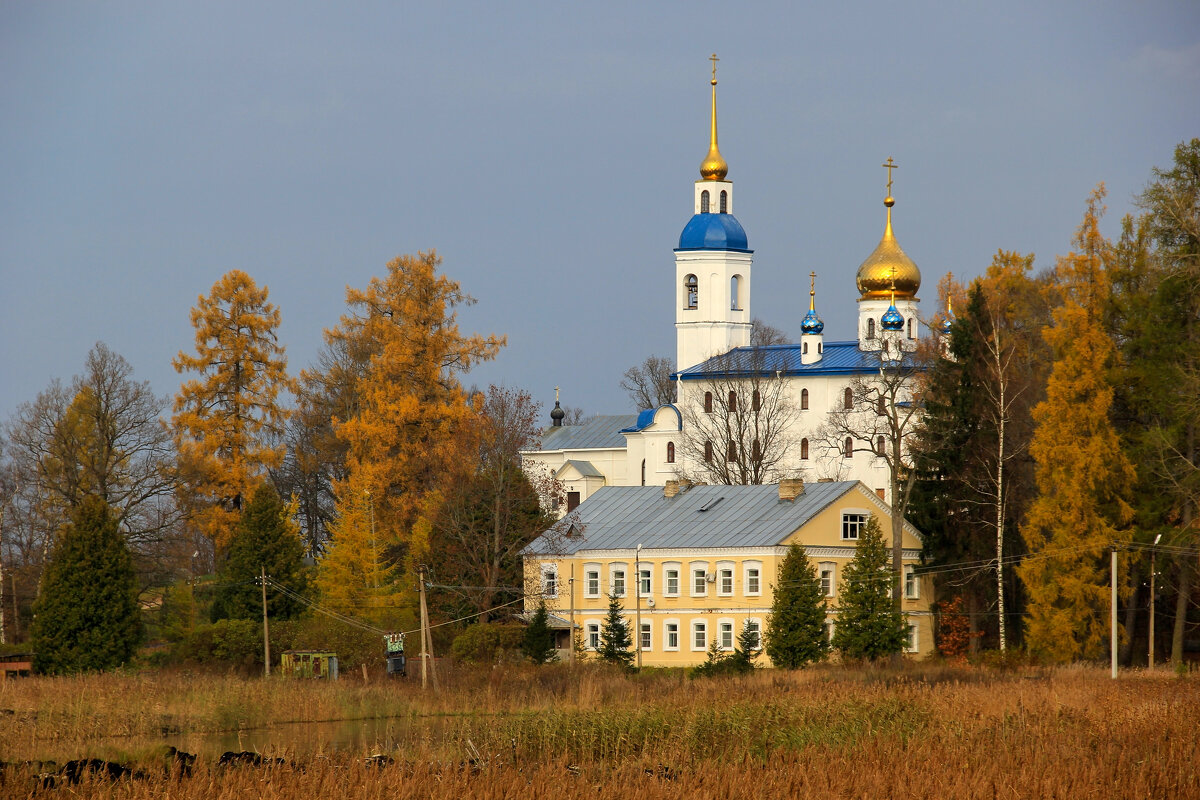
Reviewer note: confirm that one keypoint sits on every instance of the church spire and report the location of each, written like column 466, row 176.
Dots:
column 713, row 167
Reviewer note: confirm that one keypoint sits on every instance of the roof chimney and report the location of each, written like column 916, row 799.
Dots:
column 790, row 489
column 671, row 489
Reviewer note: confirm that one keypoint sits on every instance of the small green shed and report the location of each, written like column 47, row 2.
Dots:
column 309, row 664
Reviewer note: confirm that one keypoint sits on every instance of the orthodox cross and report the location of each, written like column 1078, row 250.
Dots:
column 713, row 58
column 890, row 165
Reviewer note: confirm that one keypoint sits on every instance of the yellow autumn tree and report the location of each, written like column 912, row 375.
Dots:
column 414, row 431
column 227, row 418
column 1083, row 477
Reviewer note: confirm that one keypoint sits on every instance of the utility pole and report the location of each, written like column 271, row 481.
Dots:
column 426, row 638
column 266, row 631
column 1153, row 553
column 637, row 614
column 2, row 639
column 1113, row 637
column 571, row 636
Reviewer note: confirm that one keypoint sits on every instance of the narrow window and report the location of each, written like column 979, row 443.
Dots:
column 572, row 501
column 880, row 446
column 871, row 328
column 644, row 581
column 618, row 582
column 726, row 629
column 699, row 636
column 756, row 400
column 550, row 583
column 593, row 636
column 848, row 399
column 880, row 406
column 670, row 452
column 708, row 402
column 645, row 643
column 724, row 202
column 704, row 202
column 820, row 348
column 804, row 449
column 804, row 399
column 911, row 586
column 756, row 452
column 752, row 581
column 910, row 327
column 732, row 453
column 911, row 637
column 592, row 582
column 672, row 581
column 852, row 524
column 708, row 452
column 672, row 635
column 826, row 572
column 848, row 448
column 726, row 578
column 735, row 299
column 691, row 290
column 732, row 400
column 643, row 472
column 699, row 581
column 804, row 348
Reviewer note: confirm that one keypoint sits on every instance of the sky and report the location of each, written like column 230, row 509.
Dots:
column 548, row 151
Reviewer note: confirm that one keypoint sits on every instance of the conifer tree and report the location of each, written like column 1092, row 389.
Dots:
column 615, row 641
column 227, row 419
column 263, row 539
column 1083, row 476
column 796, row 627
column 538, row 645
column 86, row 617
column 868, row 626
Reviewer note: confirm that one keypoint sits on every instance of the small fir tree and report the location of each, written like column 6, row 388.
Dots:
column 745, row 653
column 263, row 538
column 86, row 617
column 868, row 624
column 796, row 627
column 615, row 642
column 539, row 639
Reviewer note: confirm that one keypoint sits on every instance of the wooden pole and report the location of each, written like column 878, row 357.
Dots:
column 637, row 594
column 571, row 633
column 1113, row 644
column 424, row 626
column 266, row 631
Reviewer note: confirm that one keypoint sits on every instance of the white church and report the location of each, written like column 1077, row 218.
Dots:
column 779, row 397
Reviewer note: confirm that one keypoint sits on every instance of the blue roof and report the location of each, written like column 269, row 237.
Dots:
column 645, row 419
column 714, row 232
column 838, row 358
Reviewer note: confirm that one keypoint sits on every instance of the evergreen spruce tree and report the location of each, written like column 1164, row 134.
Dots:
column 263, row 538
column 615, row 642
column 538, row 645
column 86, row 617
column 796, row 627
column 745, row 653
column 868, row 624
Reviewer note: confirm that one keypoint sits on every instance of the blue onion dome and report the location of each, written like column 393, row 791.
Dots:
column 948, row 322
column 892, row 320
column 812, row 323
column 713, row 232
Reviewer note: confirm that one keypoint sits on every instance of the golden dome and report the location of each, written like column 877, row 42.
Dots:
column 888, row 267
column 713, row 167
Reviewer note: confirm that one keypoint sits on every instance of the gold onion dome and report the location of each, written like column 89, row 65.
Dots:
column 888, row 266
column 713, row 167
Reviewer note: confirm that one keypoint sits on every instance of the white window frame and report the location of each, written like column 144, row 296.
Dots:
column 726, row 627
column 615, row 568
column 862, row 524
column 550, row 580
column 752, row 583
column 913, row 639
column 725, row 584
column 591, row 628
column 693, row 568
column 645, row 640
column 757, row 623
column 588, row 571
column 668, row 568
column 912, row 583
column 645, row 578
column 831, row 590
column 700, row 627
column 667, row 623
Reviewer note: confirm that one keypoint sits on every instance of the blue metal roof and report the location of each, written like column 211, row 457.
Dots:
column 646, row 418
column 838, row 358
column 597, row 432
column 622, row 517
column 714, row 232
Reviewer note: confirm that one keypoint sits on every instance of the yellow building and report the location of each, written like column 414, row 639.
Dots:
column 696, row 564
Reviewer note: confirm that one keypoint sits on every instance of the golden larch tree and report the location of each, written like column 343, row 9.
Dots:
column 228, row 419
column 1083, row 477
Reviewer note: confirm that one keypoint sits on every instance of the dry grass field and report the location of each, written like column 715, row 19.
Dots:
column 921, row 732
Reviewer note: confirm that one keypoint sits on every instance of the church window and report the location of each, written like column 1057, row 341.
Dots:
column 735, row 296
column 704, row 202
column 848, row 448
column 756, row 400
column 804, row 351
column 708, row 452
column 708, row 402
column 643, row 472
column 848, row 399
column 820, row 348
column 804, row 449
column 804, row 399
column 732, row 400
column 910, row 327
column 756, row 450
column 670, row 452
column 870, row 329
column 692, row 289
column 880, row 445
column 724, row 202
column 880, row 406
column 731, row 454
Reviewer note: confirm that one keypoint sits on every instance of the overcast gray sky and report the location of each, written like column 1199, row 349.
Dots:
column 547, row 150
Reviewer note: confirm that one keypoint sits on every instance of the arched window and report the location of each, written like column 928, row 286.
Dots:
column 804, row 449
column 756, row 400
column 756, row 452
column 708, row 452
column 820, row 348
column 704, row 202
column 880, row 445
column 708, row 402
column 848, row 448
column 804, row 348
column 735, row 297
column 804, row 399
column 910, row 327
column 848, row 399
column 724, row 202
column 870, row 328
column 880, row 408
column 643, row 472
column 731, row 451
column 732, row 400
column 670, row 452
column 691, row 291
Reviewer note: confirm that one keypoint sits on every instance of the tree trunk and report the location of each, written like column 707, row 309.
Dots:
column 1182, row 601
column 1126, row 654
column 973, row 621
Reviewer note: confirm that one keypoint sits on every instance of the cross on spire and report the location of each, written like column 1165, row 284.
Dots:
column 889, row 166
column 713, row 58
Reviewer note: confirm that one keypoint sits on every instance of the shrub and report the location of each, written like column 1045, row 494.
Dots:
column 486, row 643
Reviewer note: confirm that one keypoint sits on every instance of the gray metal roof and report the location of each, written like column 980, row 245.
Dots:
column 622, row 517
column 585, row 468
column 599, row 431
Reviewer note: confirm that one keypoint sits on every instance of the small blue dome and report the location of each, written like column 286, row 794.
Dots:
column 713, row 232
column 892, row 321
column 812, row 323
column 947, row 324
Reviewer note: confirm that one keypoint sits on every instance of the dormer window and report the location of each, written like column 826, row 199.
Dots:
column 704, row 202
column 691, row 289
